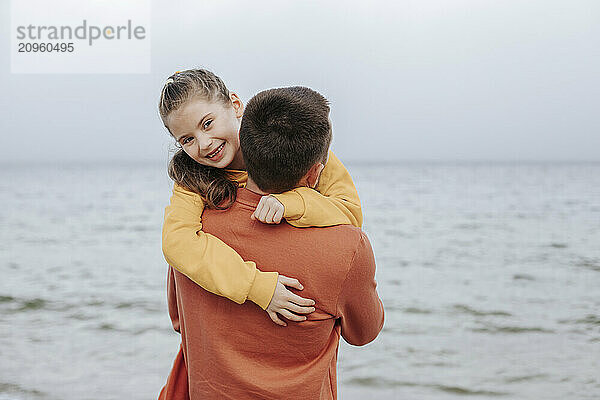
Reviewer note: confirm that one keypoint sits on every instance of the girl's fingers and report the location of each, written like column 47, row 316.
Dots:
column 291, row 282
column 292, row 317
column 269, row 210
column 276, row 319
column 295, row 308
column 294, row 298
column 270, row 215
column 259, row 208
column 255, row 214
column 301, row 300
column 278, row 216
column 261, row 214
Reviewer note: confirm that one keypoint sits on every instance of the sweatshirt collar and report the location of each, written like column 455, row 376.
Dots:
column 248, row 197
column 237, row 175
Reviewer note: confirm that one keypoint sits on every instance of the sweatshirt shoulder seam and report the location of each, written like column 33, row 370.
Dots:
column 358, row 243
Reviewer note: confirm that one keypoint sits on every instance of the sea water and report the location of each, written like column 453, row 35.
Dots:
column 489, row 274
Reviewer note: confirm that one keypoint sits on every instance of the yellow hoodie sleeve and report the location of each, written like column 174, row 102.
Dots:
column 206, row 259
column 334, row 202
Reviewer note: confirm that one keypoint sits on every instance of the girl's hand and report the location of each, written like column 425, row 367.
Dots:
column 288, row 304
column 269, row 210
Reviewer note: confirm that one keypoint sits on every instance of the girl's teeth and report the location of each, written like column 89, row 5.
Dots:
column 216, row 151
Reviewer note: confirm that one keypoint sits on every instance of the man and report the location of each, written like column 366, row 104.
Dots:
column 234, row 351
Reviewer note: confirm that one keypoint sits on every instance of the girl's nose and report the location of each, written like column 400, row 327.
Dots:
column 203, row 142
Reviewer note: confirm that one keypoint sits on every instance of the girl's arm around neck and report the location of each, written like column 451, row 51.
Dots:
column 334, row 202
column 207, row 260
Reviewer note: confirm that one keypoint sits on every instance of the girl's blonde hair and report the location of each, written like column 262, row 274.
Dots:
column 214, row 184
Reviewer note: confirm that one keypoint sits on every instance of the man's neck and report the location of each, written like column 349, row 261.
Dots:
column 253, row 187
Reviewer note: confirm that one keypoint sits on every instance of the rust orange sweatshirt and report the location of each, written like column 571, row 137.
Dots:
column 234, row 351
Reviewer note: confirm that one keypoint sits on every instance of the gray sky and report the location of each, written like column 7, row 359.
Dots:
column 408, row 80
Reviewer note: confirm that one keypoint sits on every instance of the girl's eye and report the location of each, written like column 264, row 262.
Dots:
column 207, row 123
column 186, row 140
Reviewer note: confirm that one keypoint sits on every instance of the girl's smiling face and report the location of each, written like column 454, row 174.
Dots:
column 209, row 131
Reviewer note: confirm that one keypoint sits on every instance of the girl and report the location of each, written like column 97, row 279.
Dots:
column 203, row 116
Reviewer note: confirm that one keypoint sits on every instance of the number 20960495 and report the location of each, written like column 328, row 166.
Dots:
column 45, row 47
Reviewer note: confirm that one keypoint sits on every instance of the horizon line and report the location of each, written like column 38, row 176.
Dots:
column 349, row 161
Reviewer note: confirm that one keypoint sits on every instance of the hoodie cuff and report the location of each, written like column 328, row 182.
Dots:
column 262, row 289
column 293, row 204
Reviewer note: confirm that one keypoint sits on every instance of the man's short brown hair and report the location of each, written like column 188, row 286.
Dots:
column 284, row 132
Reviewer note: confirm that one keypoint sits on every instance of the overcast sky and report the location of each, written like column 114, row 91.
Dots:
column 408, row 80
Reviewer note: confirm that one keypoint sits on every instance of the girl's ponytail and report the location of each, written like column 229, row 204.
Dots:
column 215, row 185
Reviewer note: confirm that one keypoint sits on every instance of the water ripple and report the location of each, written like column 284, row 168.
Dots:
column 379, row 382
column 587, row 320
column 495, row 329
column 17, row 305
column 461, row 308
column 525, row 277
column 468, row 392
column 590, row 263
column 559, row 245
column 415, row 310
column 14, row 388
column 518, row 379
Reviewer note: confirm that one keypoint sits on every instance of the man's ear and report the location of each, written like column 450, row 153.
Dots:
column 312, row 176
column 237, row 104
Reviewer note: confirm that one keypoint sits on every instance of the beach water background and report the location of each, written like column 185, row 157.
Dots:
column 489, row 273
